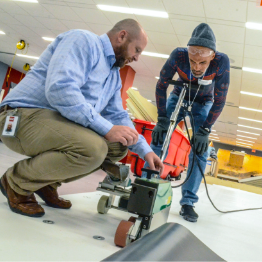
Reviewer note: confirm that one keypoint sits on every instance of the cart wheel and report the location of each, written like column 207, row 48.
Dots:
column 122, row 233
column 178, row 177
column 132, row 219
column 102, row 206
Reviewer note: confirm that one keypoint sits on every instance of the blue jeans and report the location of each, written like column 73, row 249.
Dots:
column 200, row 113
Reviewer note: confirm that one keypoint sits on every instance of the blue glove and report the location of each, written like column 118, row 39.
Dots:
column 201, row 140
column 159, row 130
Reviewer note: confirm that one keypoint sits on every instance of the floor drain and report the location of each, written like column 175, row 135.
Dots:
column 98, row 238
column 48, row 221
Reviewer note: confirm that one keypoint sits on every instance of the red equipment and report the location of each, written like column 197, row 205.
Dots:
column 178, row 152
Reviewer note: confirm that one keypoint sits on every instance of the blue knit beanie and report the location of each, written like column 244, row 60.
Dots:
column 203, row 36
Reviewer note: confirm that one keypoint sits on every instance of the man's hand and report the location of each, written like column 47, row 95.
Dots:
column 123, row 134
column 159, row 130
column 201, row 139
column 154, row 162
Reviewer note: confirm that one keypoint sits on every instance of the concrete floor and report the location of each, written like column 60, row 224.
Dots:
column 234, row 237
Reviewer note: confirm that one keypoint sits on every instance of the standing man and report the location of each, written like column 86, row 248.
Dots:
column 199, row 64
column 70, row 116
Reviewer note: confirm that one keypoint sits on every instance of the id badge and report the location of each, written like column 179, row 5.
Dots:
column 10, row 126
column 204, row 82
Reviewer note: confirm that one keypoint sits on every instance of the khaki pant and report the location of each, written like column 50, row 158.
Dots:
column 59, row 150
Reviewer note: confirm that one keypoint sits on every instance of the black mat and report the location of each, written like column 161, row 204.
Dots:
column 170, row 242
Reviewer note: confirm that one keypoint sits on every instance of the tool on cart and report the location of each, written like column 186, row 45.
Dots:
column 149, row 199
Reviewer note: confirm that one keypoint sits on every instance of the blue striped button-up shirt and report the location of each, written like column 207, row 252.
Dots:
column 75, row 76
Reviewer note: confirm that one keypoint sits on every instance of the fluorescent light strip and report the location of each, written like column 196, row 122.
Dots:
column 248, row 133
column 155, row 54
column 244, row 140
column 252, row 70
column 28, row 1
column 149, row 100
column 28, row 56
column 127, row 10
column 251, row 109
column 215, row 137
column 255, row 26
column 157, row 77
column 239, row 142
column 248, row 137
column 244, row 146
column 213, row 130
column 50, row 39
column 250, row 127
column 249, row 119
column 2, row 33
column 250, row 94
column 134, row 88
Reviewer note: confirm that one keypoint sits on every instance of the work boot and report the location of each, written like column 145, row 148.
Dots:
column 188, row 213
column 23, row 205
column 51, row 198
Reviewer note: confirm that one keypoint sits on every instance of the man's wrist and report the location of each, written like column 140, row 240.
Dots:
column 206, row 129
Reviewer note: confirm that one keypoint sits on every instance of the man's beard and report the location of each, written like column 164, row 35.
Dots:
column 121, row 55
column 197, row 76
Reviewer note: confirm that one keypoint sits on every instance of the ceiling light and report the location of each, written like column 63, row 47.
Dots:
column 251, row 109
column 2, row 33
column 155, row 54
column 50, row 39
column 239, row 142
column 127, row 10
column 245, row 140
column 244, row 146
column 255, row 26
column 251, row 94
column 214, row 139
column 242, row 143
column 157, row 77
column 253, row 70
column 28, row 1
column 248, row 133
column 249, row 119
column 248, row 137
column 250, row 127
column 28, row 56
column 134, row 88
column 213, row 130
column 149, row 100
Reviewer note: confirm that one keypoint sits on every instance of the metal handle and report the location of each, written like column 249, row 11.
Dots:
column 172, row 125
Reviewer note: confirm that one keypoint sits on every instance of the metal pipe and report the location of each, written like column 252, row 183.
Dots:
column 172, row 125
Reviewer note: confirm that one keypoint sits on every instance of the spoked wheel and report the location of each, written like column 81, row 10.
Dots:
column 122, row 233
column 102, row 206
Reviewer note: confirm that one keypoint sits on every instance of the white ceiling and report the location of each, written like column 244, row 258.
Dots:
column 28, row 21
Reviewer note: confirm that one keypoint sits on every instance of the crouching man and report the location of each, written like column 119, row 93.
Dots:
column 71, row 119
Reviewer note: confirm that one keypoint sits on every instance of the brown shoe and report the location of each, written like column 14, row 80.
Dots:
column 50, row 196
column 23, row 205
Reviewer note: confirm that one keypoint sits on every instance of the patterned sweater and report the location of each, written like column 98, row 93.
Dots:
column 218, row 72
